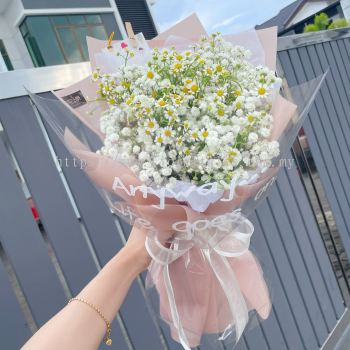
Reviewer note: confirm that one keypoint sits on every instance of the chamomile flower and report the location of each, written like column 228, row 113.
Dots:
column 200, row 115
column 194, row 135
column 151, row 125
column 159, row 139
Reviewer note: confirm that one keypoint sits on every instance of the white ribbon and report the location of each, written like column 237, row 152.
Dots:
column 226, row 236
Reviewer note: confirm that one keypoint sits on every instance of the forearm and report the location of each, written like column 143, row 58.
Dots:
column 109, row 288
column 78, row 326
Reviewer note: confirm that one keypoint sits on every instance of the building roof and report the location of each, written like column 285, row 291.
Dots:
column 284, row 16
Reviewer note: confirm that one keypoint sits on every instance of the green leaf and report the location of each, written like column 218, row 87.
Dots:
column 322, row 21
column 311, row 28
column 339, row 23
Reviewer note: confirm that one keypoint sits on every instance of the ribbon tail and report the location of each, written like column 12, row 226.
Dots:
column 173, row 309
column 228, row 281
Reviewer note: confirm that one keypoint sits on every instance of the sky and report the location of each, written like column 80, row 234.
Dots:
column 225, row 16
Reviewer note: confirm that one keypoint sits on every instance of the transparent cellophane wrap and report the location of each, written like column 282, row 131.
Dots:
column 207, row 281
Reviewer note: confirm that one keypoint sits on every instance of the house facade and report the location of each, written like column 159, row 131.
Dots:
column 293, row 18
column 37, row 33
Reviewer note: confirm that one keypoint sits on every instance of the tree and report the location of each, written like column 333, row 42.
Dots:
column 339, row 23
column 311, row 28
column 323, row 22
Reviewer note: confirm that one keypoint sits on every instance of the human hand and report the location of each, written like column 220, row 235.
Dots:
column 135, row 247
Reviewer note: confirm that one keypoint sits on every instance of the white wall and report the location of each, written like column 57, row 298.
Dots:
column 3, row 67
column 307, row 10
column 12, row 37
column 346, row 8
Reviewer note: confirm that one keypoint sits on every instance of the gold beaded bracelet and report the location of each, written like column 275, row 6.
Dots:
column 108, row 340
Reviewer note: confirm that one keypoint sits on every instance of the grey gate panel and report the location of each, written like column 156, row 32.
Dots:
column 14, row 316
column 328, row 126
column 301, row 312
column 48, row 192
column 22, row 242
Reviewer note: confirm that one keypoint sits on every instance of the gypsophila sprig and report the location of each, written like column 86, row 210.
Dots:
column 202, row 115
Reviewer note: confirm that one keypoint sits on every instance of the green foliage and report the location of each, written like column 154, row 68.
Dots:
column 339, row 23
column 323, row 22
column 311, row 28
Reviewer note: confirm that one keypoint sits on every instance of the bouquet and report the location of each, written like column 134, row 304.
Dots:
column 183, row 137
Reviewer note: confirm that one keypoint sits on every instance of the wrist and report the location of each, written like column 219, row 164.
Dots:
column 138, row 257
column 133, row 259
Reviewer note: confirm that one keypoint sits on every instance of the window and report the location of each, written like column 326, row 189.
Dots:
column 60, row 39
column 5, row 56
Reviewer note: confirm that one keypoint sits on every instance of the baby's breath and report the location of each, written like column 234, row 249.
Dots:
column 201, row 115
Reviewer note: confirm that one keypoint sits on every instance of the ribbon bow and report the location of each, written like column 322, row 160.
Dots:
column 225, row 236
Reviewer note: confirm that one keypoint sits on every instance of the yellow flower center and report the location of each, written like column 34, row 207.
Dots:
column 221, row 112
column 209, row 71
column 205, row 133
column 218, row 68
column 238, row 105
column 167, row 133
column 250, row 118
column 150, row 75
column 159, row 139
column 195, row 134
column 262, row 91
column 238, row 93
column 178, row 66
column 187, row 152
column 220, row 93
column 179, row 57
column 194, row 88
column 162, row 103
column 151, row 124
